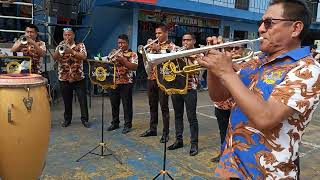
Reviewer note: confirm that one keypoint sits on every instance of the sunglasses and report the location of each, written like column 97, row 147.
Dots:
column 231, row 48
column 269, row 21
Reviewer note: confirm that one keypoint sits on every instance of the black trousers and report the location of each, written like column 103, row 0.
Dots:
column 223, row 120
column 178, row 101
column 67, row 95
column 123, row 93
column 155, row 95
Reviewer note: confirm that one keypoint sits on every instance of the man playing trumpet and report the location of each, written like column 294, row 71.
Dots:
column 71, row 76
column 126, row 62
column 31, row 46
column 155, row 94
column 275, row 97
column 190, row 100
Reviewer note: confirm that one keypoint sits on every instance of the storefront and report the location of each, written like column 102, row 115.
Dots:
column 178, row 24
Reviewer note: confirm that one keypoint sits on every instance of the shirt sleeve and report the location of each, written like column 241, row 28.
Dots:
column 300, row 88
column 83, row 49
column 43, row 45
column 225, row 105
column 134, row 58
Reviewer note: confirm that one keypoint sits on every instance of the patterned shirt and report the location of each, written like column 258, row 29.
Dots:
column 70, row 68
column 30, row 51
column 165, row 47
column 123, row 74
column 249, row 153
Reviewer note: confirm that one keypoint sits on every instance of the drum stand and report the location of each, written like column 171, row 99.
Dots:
column 101, row 144
column 163, row 172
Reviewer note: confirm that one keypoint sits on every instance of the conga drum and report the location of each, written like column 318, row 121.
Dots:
column 25, row 122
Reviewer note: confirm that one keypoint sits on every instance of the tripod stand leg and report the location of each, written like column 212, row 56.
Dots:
column 87, row 153
column 115, row 157
column 157, row 176
column 169, row 176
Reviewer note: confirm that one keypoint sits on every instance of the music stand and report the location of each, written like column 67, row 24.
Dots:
column 163, row 171
column 101, row 144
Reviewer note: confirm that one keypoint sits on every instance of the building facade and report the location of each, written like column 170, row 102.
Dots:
column 232, row 19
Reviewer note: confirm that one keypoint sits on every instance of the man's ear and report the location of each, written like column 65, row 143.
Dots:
column 297, row 28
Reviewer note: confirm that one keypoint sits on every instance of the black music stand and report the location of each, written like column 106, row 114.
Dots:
column 101, row 144
column 163, row 171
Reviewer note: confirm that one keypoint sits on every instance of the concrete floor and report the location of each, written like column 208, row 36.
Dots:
column 142, row 157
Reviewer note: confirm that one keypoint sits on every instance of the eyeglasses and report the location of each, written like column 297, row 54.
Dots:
column 67, row 29
column 268, row 22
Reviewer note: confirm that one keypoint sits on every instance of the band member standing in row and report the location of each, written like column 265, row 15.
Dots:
column 275, row 97
column 33, row 48
column 190, row 100
column 155, row 94
column 222, row 109
column 71, row 76
column 126, row 62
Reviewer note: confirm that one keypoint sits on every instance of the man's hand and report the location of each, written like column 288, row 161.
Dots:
column 155, row 47
column 121, row 60
column 217, row 63
column 68, row 50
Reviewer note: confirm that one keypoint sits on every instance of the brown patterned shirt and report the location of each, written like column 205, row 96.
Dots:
column 250, row 153
column 36, row 66
column 70, row 68
column 123, row 74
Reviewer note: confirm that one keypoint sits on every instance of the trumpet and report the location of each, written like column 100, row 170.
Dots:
column 142, row 47
column 62, row 47
column 113, row 54
column 141, row 50
column 156, row 59
column 23, row 39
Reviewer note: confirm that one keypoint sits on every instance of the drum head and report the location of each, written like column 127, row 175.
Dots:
column 21, row 80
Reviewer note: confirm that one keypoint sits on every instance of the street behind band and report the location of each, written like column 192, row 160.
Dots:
column 263, row 105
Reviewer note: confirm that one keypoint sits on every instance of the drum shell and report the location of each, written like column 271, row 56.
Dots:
column 24, row 141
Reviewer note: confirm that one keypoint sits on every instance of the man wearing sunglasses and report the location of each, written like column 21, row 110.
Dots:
column 190, row 100
column 275, row 97
column 71, row 75
column 34, row 48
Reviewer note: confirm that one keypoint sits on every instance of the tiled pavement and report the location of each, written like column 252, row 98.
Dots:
column 142, row 157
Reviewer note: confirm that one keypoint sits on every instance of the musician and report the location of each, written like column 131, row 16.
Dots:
column 126, row 62
column 71, row 76
column 190, row 100
column 35, row 48
column 155, row 94
column 222, row 109
column 275, row 97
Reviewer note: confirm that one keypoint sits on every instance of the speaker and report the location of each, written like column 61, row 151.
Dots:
column 62, row 8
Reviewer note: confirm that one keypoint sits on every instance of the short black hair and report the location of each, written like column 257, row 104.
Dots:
column 191, row 34
column 296, row 10
column 123, row 37
column 162, row 26
column 32, row 26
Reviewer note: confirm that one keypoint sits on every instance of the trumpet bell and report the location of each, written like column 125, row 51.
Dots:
column 23, row 40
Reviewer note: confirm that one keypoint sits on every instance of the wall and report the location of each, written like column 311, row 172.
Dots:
column 107, row 23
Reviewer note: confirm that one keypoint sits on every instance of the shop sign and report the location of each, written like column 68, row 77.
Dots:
column 179, row 19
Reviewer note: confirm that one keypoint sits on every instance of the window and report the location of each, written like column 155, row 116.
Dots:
column 242, row 4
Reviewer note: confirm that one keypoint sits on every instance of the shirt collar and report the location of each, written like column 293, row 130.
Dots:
column 295, row 54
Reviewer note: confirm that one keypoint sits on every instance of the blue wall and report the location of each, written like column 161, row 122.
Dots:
column 108, row 23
